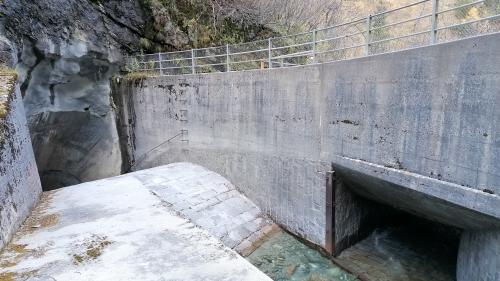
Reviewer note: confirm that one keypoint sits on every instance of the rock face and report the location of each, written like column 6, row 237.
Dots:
column 65, row 52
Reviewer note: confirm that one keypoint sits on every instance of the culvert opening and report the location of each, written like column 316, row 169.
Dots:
column 378, row 242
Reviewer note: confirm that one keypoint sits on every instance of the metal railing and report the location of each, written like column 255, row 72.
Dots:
column 418, row 24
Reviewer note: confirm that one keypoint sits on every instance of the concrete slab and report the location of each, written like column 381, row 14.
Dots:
column 116, row 229
column 211, row 202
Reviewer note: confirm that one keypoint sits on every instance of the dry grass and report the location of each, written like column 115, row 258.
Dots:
column 94, row 249
column 8, row 78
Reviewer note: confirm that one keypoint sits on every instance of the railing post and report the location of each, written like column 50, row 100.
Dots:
column 270, row 62
column 368, row 34
column 227, row 59
column 193, row 66
column 314, row 46
column 159, row 64
column 434, row 21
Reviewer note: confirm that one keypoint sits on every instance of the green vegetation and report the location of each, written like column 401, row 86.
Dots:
column 195, row 24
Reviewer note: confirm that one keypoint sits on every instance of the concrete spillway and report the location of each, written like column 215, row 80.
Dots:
column 134, row 227
column 322, row 148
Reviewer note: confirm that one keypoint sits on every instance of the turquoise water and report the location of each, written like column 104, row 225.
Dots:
column 283, row 257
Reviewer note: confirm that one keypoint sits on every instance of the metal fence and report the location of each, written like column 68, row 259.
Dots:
column 418, row 24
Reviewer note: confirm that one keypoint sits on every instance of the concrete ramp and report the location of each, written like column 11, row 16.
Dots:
column 117, row 229
column 211, row 202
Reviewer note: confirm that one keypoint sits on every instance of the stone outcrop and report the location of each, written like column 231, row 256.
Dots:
column 66, row 52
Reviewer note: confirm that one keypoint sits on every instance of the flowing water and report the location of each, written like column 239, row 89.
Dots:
column 403, row 254
column 283, row 257
column 407, row 253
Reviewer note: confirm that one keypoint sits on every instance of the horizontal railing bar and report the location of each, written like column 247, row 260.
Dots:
column 401, row 22
column 340, row 37
column 285, row 64
column 286, row 46
column 293, row 55
column 341, row 49
column 247, row 61
column 163, row 68
column 211, row 56
column 179, row 59
column 248, row 52
column 210, row 64
column 460, row 7
column 209, row 48
column 468, row 22
column 400, row 37
column 342, row 24
column 171, row 66
column 400, row 8
column 291, row 46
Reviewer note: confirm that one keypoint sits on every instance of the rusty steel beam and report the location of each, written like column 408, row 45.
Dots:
column 330, row 213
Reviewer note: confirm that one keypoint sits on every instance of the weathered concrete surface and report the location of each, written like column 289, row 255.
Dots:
column 116, row 229
column 425, row 120
column 211, row 202
column 19, row 182
column 478, row 257
column 355, row 217
column 433, row 199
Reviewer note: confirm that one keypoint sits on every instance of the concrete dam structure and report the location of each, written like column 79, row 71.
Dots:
column 330, row 151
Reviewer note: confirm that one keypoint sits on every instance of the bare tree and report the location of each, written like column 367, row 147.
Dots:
column 288, row 16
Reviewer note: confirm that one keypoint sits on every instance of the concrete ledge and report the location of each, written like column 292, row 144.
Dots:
column 446, row 202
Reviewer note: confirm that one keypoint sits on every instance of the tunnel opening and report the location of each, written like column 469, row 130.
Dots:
column 380, row 242
column 55, row 179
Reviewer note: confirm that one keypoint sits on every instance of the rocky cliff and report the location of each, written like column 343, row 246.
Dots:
column 65, row 52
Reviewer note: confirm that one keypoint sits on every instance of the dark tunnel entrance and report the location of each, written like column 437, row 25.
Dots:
column 378, row 242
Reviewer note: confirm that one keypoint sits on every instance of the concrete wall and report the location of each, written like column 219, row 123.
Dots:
column 478, row 257
column 19, row 181
column 420, row 126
